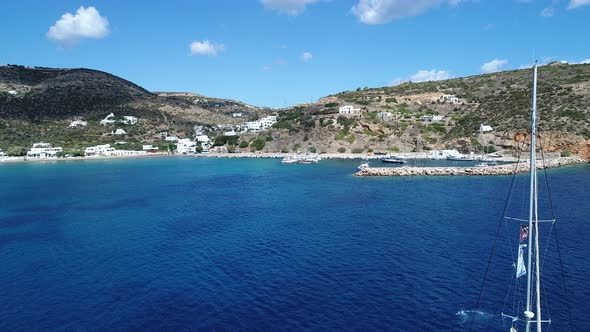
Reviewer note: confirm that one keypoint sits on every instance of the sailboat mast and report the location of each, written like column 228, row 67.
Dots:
column 533, row 216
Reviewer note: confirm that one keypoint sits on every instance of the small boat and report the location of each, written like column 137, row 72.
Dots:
column 483, row 164
column 363, row 166
column 290, row 160
column 461, row 158
column 308, row 160
column 394, row 160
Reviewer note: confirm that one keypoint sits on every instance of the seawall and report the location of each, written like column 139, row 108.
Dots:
column 508, row 169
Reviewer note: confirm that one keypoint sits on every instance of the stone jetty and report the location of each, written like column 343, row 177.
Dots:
column 507, row 169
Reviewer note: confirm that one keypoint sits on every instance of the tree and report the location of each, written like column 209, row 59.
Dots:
column 341, row 150
column 258, row 144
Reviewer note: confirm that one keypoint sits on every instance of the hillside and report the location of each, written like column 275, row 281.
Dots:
column 38, row 104
column 501, row 100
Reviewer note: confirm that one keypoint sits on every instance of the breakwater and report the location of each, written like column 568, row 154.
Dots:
column 508, row 169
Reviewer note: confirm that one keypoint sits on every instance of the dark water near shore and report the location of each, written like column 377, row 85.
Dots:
column 235, row 244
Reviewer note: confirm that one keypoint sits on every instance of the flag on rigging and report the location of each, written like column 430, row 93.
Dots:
column 524, row 232
column 520, row 268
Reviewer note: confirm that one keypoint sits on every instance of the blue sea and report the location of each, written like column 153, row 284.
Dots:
column 179, row 244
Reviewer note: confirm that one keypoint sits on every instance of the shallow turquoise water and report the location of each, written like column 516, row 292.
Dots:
column 229, row 244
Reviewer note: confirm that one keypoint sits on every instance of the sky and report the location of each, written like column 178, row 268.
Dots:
column 280, row 53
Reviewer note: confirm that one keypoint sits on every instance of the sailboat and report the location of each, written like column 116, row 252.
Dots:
column 528, row 262
column 529, row 237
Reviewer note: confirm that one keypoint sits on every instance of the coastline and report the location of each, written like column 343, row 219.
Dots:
column 508, row 169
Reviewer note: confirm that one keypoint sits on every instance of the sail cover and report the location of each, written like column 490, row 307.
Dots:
column 520, row 268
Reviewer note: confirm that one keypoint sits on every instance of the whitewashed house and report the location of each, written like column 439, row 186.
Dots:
column 383, row 115
column 128, row 153
column 78, row 123
column 230, row 133
column 129, row 120
column 186, row 146
column 443, row 154
column 237, row 115
column 99, row 150
column 256, row 126
column 431, row 118
column 205, row 142
column 150, row 148
column 268, row 121
column 348, row 109
column 120, row 131
column 12, row 92
column 171, row 139
column 451, row 98
column 108, row 120
column 43, row 150
column 485, row 128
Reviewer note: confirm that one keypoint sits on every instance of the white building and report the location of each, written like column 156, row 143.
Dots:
column 99, row 150
column 485, row 128
column 431, row 118
column 268, row 121
column 128, row 153
column 451, row 98
column 78, row 123
column 186, row 146
column 230, row 133
column 443, row 154
column 348, row 109
column 237, row 115
column 108, row 120
column 171, row 139
column 150, row 148
column 129, row 120
column 259, row 125
column 43, row 150
column 383, row 115
column 12, row 92
column 254, row 126
column 120, row 131
column 205, row 142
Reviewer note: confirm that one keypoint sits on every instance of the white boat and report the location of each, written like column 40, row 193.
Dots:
column 461, row 158
column 308, row 160
column 290, row 160
column 524, row 288
column 394, row 160
column 363, row 166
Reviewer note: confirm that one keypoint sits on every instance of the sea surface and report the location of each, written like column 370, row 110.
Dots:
column 178, row 244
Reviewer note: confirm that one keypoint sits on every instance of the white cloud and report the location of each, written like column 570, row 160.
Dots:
column 306, row 56
column 423, row 76
column 430, row 75
column 289, row 7
column 547, row 12
column 86, row 23
column 585, row 61
column 384, row 11
column 493, row 66
column 205, row 48
column 578, row 3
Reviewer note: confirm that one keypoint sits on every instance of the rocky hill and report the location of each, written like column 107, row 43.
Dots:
column 37, row 104
column 392, row 118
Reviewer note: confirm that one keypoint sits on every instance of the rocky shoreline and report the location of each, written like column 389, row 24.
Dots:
column 508, row 169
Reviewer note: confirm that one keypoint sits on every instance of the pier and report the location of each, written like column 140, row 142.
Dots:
column 507, row 169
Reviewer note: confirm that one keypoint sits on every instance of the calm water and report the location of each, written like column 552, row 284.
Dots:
column 210, row 244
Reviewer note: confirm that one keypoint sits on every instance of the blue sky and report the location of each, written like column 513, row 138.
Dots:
column 284, row 52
